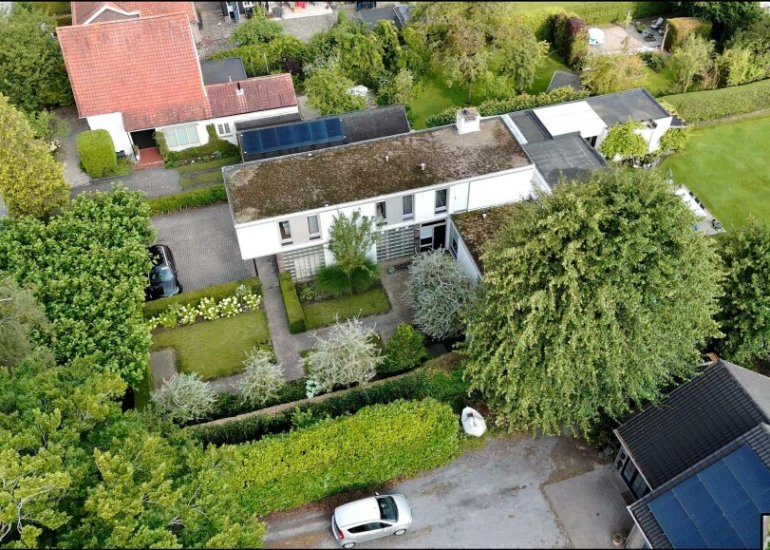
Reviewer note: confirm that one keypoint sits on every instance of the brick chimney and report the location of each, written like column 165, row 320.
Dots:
column 468, row 120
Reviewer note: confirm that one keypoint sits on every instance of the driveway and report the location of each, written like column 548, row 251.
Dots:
column 490, row 497
column 204, row 245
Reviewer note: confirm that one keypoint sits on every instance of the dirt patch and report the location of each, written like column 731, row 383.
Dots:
column 571, row 457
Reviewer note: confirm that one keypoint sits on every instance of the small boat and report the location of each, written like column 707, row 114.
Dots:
column 473, row 422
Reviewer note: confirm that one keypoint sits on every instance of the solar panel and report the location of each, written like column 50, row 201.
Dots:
column 292, row 138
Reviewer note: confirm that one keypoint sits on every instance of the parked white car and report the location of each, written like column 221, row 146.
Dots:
column 371, row 518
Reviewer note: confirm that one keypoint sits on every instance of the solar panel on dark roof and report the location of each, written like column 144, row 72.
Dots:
column 293, row 136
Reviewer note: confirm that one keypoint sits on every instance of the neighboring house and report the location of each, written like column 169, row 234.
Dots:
column 86, row 13
column 699, row 463
column 140, row 75
column 410, row 183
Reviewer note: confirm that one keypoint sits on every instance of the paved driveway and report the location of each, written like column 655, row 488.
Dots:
column 489, row 498
column 204, row 245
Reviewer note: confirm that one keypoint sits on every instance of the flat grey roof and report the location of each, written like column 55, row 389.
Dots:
column 399, row 15
column 530, row 126
column 559, row 79
column 349, row 173
column 636, row 104
column 221, row 71
column 374, row 123
column 567, row 155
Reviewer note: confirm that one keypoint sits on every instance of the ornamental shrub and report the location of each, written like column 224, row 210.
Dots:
column 674, row 140
column 286, row 471
column 96, row 152
column 185, row 397
column 208, row 308
column 570, row 39
column 256, row 30
column 263, row 378
column 623, row 143
column 294, row 312
column 403, row 351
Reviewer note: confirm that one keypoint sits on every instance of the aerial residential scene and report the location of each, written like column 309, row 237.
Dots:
column 385, row 275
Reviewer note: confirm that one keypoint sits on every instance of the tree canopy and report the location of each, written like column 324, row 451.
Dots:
column 594, row 297
column 623, row 142
column 612, row 73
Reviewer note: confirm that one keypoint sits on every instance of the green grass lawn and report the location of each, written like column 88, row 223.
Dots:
column 215, row 348
column 198, row 166
column 658, row 84
column 552, row 63
column 322, row 314
column 432, row 96
column 726, row 169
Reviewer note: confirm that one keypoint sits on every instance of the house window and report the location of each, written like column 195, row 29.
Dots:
column 440, row 201
column 453, row 240
column 285, row 232
column 223, row 129
column 182, row 136
column 313, row 228
column 380, row 213
column 408, row 207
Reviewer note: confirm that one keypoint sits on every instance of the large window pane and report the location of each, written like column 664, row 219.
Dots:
column 181, row 136
column 285, row 230
column 192, row 134
column 441, row 200
column 408, row 206
column 312, row 225
column 171, row 139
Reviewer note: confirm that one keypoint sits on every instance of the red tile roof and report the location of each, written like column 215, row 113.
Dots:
column 259, row 94
column 145, row 68
column 81, row 11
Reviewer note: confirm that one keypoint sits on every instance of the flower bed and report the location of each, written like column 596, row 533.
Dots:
column 208, row 309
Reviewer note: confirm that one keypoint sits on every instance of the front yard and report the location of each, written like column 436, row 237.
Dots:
column 726, row 169
column 325, row 313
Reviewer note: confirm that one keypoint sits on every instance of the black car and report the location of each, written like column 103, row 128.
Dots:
column 163, row 281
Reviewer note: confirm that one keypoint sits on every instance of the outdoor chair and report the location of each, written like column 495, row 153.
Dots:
column 657, row 23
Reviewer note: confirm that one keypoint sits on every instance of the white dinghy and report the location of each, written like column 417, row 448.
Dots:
column 473, row 422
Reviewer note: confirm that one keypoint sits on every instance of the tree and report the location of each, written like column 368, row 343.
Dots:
column 257, row 30
column 727, row 17
column 623, row 142
column 48, row 127
column 262, row 379
column 740, row 65
column 346, row 356
column 327, row 91
column 398, row 90
column 440, row 293
column 185, row 397
column 594, row 298
column 744, row 314
column 31, row 180
column 613, row 73
column 522, row 55
column 31, row 63
column 21, row 323
column 692, row 59
column 351, row 239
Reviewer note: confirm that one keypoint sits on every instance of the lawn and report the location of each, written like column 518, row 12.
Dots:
column 659, row 84
column 725, row 168
column 322, row 314
column 201, row 179
column 432, row 96
column 552, row 63
column 215, row 348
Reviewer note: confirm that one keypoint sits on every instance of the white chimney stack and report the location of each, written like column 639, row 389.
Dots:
column 238, row 89
column 468, row 120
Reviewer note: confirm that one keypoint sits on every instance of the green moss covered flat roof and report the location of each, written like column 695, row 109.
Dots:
column 478, row 227
column 349, row 173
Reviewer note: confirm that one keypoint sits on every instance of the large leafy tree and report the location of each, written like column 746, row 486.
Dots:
column 692, row 62
column 744, row 315
column 623, row 142
column 613, row 73
column 32, row 72
column 31, row 180
column 327, row 91
column 595, row 297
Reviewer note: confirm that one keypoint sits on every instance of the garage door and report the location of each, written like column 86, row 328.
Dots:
column 396, row 243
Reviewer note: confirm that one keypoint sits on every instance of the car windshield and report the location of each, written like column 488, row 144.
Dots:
column 161, row 274
column 388, row 509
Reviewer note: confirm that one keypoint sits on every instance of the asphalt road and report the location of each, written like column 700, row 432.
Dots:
column 489, row 498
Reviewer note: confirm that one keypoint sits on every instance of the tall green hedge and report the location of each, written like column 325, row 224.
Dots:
column 680, row 27
column 97, row 153
column 501, row 106
column 294, row 312
column 188, row 199
column 376, row 444
column 724, row 102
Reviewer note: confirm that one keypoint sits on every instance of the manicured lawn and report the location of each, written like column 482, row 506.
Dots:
column 432, row 96
column 196, row 167
column 658, row 84
column 725, row 167
column 552, row 63
column 367, row 303
column 215, row 348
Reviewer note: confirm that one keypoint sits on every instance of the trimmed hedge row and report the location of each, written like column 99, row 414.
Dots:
column 724, row 102
column 376, row 444
column 96, row 152
column 292, row 304
column 156, row 307
column 501, row 106
column 188, row 199
column 422, row 383
column 680, row 27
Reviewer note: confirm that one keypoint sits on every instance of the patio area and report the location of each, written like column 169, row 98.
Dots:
column 616, row 36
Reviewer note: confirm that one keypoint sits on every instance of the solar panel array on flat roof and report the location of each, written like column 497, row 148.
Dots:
column 292, row 136
column 720, row 506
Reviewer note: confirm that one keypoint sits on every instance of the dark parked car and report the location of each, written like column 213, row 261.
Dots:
column 162, row 278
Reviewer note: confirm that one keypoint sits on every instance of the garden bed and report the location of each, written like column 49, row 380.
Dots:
column 218, row 291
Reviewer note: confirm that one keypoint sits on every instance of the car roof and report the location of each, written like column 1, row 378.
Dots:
column 358, row 511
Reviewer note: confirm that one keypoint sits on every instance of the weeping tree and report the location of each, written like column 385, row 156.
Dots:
column 594, row 298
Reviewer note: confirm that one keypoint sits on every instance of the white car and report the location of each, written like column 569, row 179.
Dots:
column 371, row 518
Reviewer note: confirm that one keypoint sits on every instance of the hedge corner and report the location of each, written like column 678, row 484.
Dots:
column 96, row 152
column 294, row 312
column 680, row 27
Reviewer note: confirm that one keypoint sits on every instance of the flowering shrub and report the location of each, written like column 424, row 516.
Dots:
column 169, row 318
column 252, row 301
column 242, row 300
column 229, row 307
column 188, row 314
column 208, row 309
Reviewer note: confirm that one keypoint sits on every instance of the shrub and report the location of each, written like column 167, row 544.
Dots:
column 570, row 39
column 256, row 30
column 96, row 153
column 714, row 104
column 403, row 351
column 675, row 139
column 157, row 307
column 680, row 27
column 185, row 397
column 517, row 103
column 653, row 60
column 294, row 313
column 541, row 21
column 263, row 378
column 326, row 458
column 188, row 199
column 216, row 148
column 331, row 280
column 613, row 73
column 346, row 356
column 622, row 142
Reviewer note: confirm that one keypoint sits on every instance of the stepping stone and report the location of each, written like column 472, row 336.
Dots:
column 163, row 365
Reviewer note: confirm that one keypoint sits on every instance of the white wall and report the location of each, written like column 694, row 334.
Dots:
column 502, row 189
column 113, row 123
column 651, row 136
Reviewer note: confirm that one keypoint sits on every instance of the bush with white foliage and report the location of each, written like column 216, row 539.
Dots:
column 263, row 378
column 185, row 397
column 440, row 292
column 348, row 355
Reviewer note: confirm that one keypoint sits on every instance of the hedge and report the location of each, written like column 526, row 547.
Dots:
column 724, row 102
column 449, row 388
column 520, row 102
column 291, row 302
column 570, row 39
column 216, row 148
column 680, row 27
column 156, row 307
column 188, row 199
column 97, row 153
column 376, row 444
